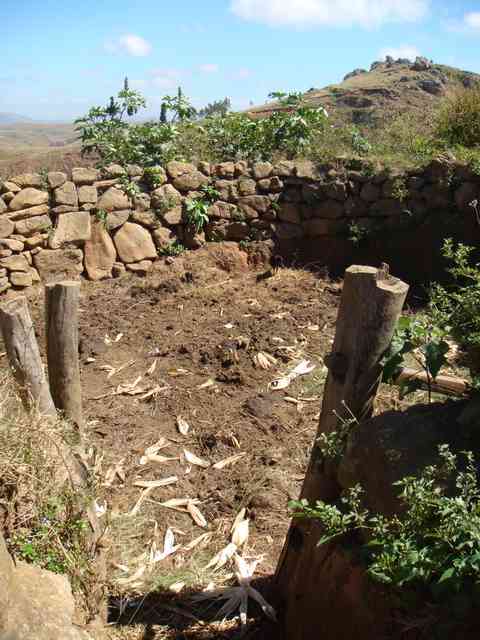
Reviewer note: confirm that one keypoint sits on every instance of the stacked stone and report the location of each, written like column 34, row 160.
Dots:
column 53, row 226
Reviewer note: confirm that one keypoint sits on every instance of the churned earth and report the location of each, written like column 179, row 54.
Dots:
column 179, row 351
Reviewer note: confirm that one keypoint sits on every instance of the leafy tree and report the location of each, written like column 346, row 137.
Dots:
column 217, row 108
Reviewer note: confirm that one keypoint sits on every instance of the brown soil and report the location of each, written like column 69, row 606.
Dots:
column 201, row 318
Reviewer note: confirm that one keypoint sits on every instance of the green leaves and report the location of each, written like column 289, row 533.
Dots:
column 435, row 541
column 196, row 213
column 420, row 339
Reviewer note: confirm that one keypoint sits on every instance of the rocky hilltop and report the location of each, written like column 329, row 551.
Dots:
column 388, row 88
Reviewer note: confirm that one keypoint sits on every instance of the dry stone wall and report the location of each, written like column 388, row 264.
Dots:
column 55, row 225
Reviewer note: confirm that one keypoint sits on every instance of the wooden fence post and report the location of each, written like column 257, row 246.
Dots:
column 24, row 356
column 371, row 303
column 61, row 308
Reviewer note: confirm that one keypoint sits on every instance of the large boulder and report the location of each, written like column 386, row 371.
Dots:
column 113, row 199
column 28, row 197
column 32, row 226
column 15, row 263
column 134, row 243
column 397, row 444
column 66, row 195
column 84, row 175
column 165, row 197
column 100, row 253
column 54, row 265
column 28, row 180
column 6, row 227
column 71, row 227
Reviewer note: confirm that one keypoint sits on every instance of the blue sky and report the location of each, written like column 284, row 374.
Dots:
column 60, row 57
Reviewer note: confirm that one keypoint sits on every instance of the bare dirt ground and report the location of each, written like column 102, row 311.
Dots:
column 183, row 343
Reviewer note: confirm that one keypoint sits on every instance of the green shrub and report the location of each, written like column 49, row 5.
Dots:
column 458, row 121
column 433, row 542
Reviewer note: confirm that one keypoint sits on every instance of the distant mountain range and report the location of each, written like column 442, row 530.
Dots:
column 14, row 118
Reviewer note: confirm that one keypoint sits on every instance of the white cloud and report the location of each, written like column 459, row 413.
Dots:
column 307, row 13
column 166, row 78
column 403, row 51
column 209, row 68
column 472, row 20
column 130, row 44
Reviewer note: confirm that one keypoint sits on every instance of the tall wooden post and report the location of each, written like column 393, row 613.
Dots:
column 371, row 303
column 61, row 307
column 24, row 356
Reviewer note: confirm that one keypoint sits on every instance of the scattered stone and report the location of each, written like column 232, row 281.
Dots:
column 100, row 253
column 56, row 179
column 28, row 197
column 54, row 265
column 6, row 227
column 15, row 263
column 140, row 268
column 66, row 195
column 87, row 194
column 113, row 199
column 32, row 226
column 134, row 243
column 71, row 227
column 21, row 279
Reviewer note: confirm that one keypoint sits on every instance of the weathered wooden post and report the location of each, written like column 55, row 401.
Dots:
column 61, row 308
column 371, row 303
column 24, row 356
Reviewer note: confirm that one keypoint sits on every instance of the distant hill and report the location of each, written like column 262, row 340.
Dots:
column 388, row 89
column 13, row 118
